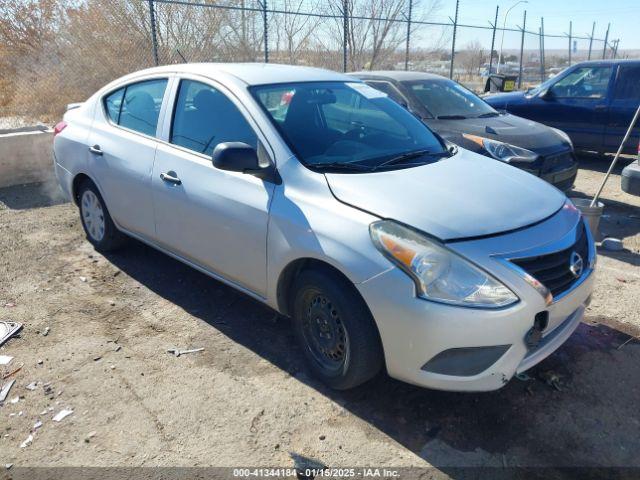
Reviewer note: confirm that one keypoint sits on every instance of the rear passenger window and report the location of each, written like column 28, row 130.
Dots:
column 628, row 83
column 137, row 106
column 205, row 117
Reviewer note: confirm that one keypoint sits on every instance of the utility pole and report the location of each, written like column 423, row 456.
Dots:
column 406, row 54
column 504, row 27
column 606, row 41
column 524, row 29
column 570, row 35
column 593, row 31
column 265, row 30
column 453, row 41
column 345, row 34
column 493, row 41
column 154, row 34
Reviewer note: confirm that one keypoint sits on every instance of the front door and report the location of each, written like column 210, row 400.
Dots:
column 216, row 219
column 578, row 105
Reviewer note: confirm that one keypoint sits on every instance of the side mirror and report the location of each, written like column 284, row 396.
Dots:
column 240, row 157
column 235, row 157
column 546, row 94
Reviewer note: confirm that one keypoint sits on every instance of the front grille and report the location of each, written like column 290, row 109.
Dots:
column 559, row 161
column 552, row 270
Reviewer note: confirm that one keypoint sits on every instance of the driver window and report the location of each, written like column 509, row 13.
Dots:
column 205, row 117
column 585, row 82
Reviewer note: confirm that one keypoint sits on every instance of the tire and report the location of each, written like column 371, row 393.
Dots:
column 335, row 330
column 98, row 226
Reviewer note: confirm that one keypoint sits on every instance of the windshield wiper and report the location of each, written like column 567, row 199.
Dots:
column 488, row 115
column 451, row 117
column 410, row 155
column 342, row 166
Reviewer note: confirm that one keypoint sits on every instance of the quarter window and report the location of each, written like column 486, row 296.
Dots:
column 112, row 103
column 137, row 106
column 205, row 117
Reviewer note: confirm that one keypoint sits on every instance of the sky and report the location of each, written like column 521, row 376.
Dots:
column 624, row 16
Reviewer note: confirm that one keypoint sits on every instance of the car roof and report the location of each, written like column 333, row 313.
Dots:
column 253, row 73
column 398, row 75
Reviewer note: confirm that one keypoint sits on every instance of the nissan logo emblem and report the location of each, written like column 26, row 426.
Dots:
column 576, row 264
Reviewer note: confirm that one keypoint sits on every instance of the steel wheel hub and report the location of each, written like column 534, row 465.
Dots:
column 92, row 215
column 325, row 332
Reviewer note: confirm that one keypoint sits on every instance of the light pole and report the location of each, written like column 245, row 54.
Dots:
column 504, row 26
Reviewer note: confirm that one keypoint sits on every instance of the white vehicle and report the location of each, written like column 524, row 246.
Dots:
column 326, row 200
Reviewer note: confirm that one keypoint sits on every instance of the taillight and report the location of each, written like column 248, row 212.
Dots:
column 59, row 127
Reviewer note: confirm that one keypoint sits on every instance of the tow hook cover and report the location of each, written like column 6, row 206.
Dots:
column 533, row 337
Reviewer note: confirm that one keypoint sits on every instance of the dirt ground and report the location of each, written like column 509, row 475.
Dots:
column 247, row 399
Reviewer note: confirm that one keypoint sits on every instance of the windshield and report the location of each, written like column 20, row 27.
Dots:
column 347, row 125
column 448, row 99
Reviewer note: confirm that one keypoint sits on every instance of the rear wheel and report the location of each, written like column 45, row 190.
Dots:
column 335, row 330
column 96, row 221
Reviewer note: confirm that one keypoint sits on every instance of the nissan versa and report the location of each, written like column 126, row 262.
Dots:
column 326, row 200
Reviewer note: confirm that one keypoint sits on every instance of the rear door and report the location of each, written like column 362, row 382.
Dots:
column 578, row 104
column 122, row 147
column 624, row 102
column 213, row 218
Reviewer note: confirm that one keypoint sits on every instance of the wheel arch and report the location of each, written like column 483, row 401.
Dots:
column 78, row 180
column 288, row 275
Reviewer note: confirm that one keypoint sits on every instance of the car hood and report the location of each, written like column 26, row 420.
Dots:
column 505, row 128
column 502, row 100
column 467, row 195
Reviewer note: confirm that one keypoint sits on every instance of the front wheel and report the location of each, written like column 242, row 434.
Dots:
column 96, row 221
column 335, row 329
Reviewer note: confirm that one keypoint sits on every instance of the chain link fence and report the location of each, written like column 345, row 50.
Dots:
column 55, row 52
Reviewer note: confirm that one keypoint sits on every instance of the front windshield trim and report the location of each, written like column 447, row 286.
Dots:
column 254, row 90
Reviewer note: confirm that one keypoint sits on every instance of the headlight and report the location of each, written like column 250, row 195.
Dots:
column 564, row 136
column 502, row 151
column 439, row 274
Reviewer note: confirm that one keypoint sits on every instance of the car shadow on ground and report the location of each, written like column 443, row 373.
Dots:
column 32, row 195
column 522, row 422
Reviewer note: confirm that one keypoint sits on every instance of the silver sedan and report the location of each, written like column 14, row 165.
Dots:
column 324, row 199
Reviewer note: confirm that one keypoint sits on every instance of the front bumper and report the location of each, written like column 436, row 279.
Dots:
column 559, row 170
column 563, row 179
column 415, row 331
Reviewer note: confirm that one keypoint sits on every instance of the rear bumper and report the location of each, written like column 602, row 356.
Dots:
column 65, row 179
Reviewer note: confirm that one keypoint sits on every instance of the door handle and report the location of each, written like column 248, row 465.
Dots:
column 95, row 150
column 600, row 108
column 171, row 178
